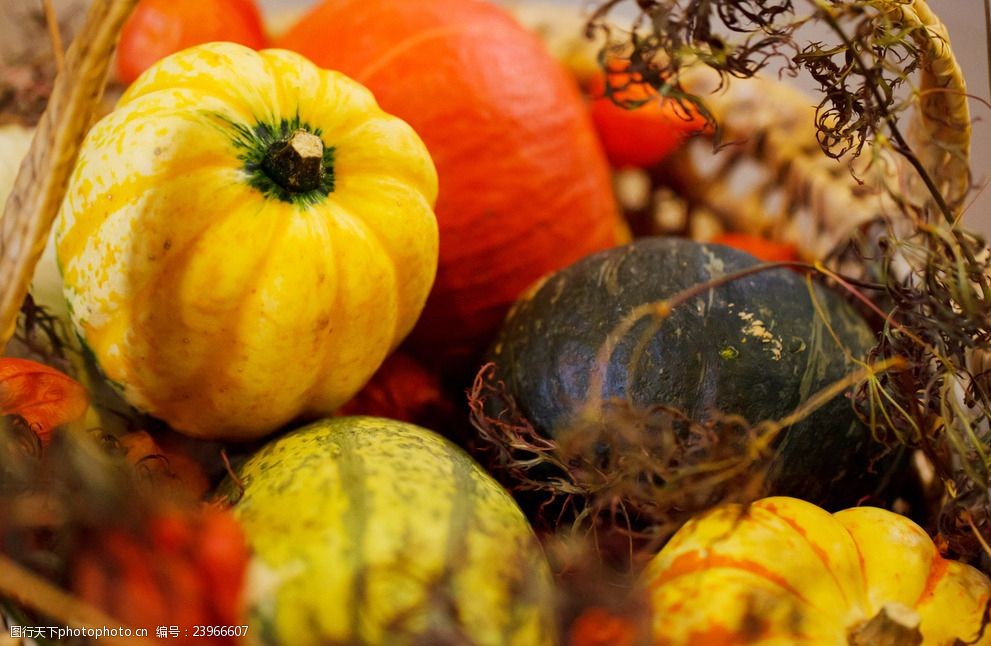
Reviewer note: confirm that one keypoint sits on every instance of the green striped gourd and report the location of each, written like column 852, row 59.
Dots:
column 372, row 531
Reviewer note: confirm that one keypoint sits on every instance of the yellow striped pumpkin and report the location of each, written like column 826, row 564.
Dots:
column 371, row 531
column 245, row 238
column 784, row 571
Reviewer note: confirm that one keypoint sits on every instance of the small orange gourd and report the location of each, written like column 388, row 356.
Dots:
column 158, row 28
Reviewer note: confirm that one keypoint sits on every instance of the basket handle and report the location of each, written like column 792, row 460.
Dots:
column 44, row 174
column 941, row 126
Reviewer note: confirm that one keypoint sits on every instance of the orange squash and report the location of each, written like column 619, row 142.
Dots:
column 42, row 396
column 524, row 184
column 649, row 130
column 158, row 28
column 403, row 390
column 784, row 571
column 759, row 247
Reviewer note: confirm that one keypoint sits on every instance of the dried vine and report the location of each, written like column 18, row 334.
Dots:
column 928, row 276
column 629, row 475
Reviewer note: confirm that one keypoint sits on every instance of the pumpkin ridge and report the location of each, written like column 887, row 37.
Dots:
column 937, row 571
column 379, row 171
column 816, row 549
column 692, row 563
column 280, row 230
column 151, row 286
column 342, row 215
column 344, row 205
column 183, row 252
column 208, row 89
column 862, row 565
column 223, row 346
column 312, row 393
column 228, row 65
column 75, row 238
column 372, row 234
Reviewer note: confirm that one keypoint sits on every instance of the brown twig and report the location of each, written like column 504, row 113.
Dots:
column 977, row 533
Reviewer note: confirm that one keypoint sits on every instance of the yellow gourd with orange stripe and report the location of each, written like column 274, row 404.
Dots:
column 245, row 238
column 784, row 571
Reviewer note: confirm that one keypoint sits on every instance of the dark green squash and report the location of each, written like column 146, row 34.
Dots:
column 755, row 346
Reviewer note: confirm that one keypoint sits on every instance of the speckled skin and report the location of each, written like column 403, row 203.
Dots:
column 755, row 347
column 212, row 301
column 354, row 521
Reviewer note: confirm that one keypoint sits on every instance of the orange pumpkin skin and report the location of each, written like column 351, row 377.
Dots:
column 41, row 395
column 158, row 28
column 784, row 571
column 524, row 184
column 759, row 247
column 641, row 136
column 403, row 390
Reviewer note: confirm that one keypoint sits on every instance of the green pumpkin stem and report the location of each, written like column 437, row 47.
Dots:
column 296, row 164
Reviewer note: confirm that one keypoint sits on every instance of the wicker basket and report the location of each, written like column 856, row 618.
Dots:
column 770, row 176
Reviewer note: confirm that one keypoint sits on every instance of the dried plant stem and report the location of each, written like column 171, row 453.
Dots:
column 953, row 134
column 656, row 471
column 44, row 174
column 35, row 592
column 821, row 268
column 820, row 398
column 55, row 35
column 977, row 533
column 889, row 118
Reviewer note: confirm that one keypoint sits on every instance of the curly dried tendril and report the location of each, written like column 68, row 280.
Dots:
column 878, row 46
column 859, row 80
column 926, row 278
column 737, row 39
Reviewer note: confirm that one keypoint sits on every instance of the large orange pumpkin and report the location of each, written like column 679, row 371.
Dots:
column 524, row 185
